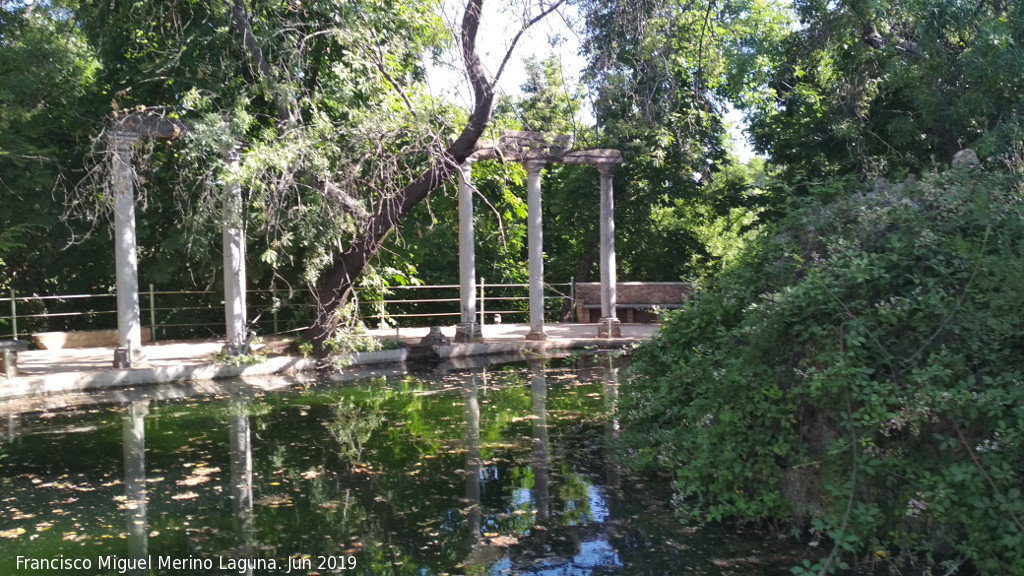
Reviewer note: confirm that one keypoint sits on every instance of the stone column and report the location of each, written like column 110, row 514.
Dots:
column 468, row 329
column 126, row 262
column 609, row 325
column 234, row 262
column 535, row 235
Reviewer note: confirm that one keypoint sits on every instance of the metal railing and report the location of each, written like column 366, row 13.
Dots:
column 425, row 302
column 184, row 314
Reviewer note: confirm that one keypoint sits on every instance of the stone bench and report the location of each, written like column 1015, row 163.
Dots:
column 9, row 356
column 636, row 302
column 82, row 339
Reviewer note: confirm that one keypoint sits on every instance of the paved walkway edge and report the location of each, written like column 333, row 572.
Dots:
column 86, row 380
column 96, row 380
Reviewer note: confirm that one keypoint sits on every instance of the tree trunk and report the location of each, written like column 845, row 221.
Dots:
column 335, row 284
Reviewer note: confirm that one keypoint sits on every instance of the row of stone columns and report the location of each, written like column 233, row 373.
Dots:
column 469, row 327
column 129, row 327
column 129, row 349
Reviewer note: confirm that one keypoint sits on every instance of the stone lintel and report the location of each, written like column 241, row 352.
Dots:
column 599, row 157
column 150, row 125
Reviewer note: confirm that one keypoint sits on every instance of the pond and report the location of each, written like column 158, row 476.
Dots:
column 497, row 470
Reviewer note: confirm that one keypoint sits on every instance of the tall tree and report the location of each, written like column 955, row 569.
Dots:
column 879, row 87
column 662, row 73
column 338, row 137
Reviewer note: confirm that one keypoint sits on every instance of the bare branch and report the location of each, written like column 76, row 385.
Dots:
column 284, row 111
column 515, row 39
column 380, row 66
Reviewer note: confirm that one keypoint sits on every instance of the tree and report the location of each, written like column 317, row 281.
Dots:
column 338, row 139
column 892, row 86
column 662, row 73
column 47, row 76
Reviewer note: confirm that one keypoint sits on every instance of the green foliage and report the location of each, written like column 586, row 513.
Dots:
column 876, row 87
column 660, row 73
column 857, row 375
column 239, row 359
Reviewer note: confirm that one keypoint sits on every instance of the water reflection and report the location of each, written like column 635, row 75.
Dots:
column 541, row 469
column 12, row 427
column 611, row 425
column 134, row 446
column 485, row 471
column 472, row 439
column 240, row 442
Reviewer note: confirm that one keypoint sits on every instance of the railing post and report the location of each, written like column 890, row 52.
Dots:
column 152, row 315
column 273, row 308
column 572, row 297
column 482, row 280
column 14, row 315
column 380, row 322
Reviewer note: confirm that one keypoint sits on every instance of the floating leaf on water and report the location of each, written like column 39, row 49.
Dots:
column 275, row 500
column 185, row 496
column 504, row 541
column 12, row 533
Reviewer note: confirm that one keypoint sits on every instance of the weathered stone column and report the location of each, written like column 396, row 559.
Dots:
column 609, row 326
column 234, row 262
column 129, row 331
column 468, row 329
column 535, row 235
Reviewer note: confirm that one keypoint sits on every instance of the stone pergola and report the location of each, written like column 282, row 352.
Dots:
column 535, row 150
column 124, row 132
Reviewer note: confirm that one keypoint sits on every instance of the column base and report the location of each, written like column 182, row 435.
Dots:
column 234, row 349
column 468, row 332
column 435, row 338
column 536, row 335
column 126, row 357
column 609, row 328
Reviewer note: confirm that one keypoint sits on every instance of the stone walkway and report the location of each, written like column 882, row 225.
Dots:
column 47, row 371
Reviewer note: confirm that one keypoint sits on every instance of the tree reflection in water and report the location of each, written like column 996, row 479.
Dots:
column 497, row 470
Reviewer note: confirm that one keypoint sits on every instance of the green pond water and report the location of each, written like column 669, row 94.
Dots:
column 498, row 470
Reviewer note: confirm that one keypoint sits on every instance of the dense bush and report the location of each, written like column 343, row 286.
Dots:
column 859, row 375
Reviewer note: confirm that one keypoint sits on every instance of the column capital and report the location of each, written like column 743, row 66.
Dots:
column 124, row 138
column 535, row 166
column 607, row 169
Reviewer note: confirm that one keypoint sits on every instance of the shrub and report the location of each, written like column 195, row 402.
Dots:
column 858, row 375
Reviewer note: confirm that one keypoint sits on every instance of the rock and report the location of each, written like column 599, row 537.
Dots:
column 966, row 157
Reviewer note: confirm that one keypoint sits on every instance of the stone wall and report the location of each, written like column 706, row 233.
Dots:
column 635, row 301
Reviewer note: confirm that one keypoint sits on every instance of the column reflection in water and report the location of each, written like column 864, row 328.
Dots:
column 611, row 427
column 472, row 413
column 240, row 441
column 541, row 470
column 134, row 446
